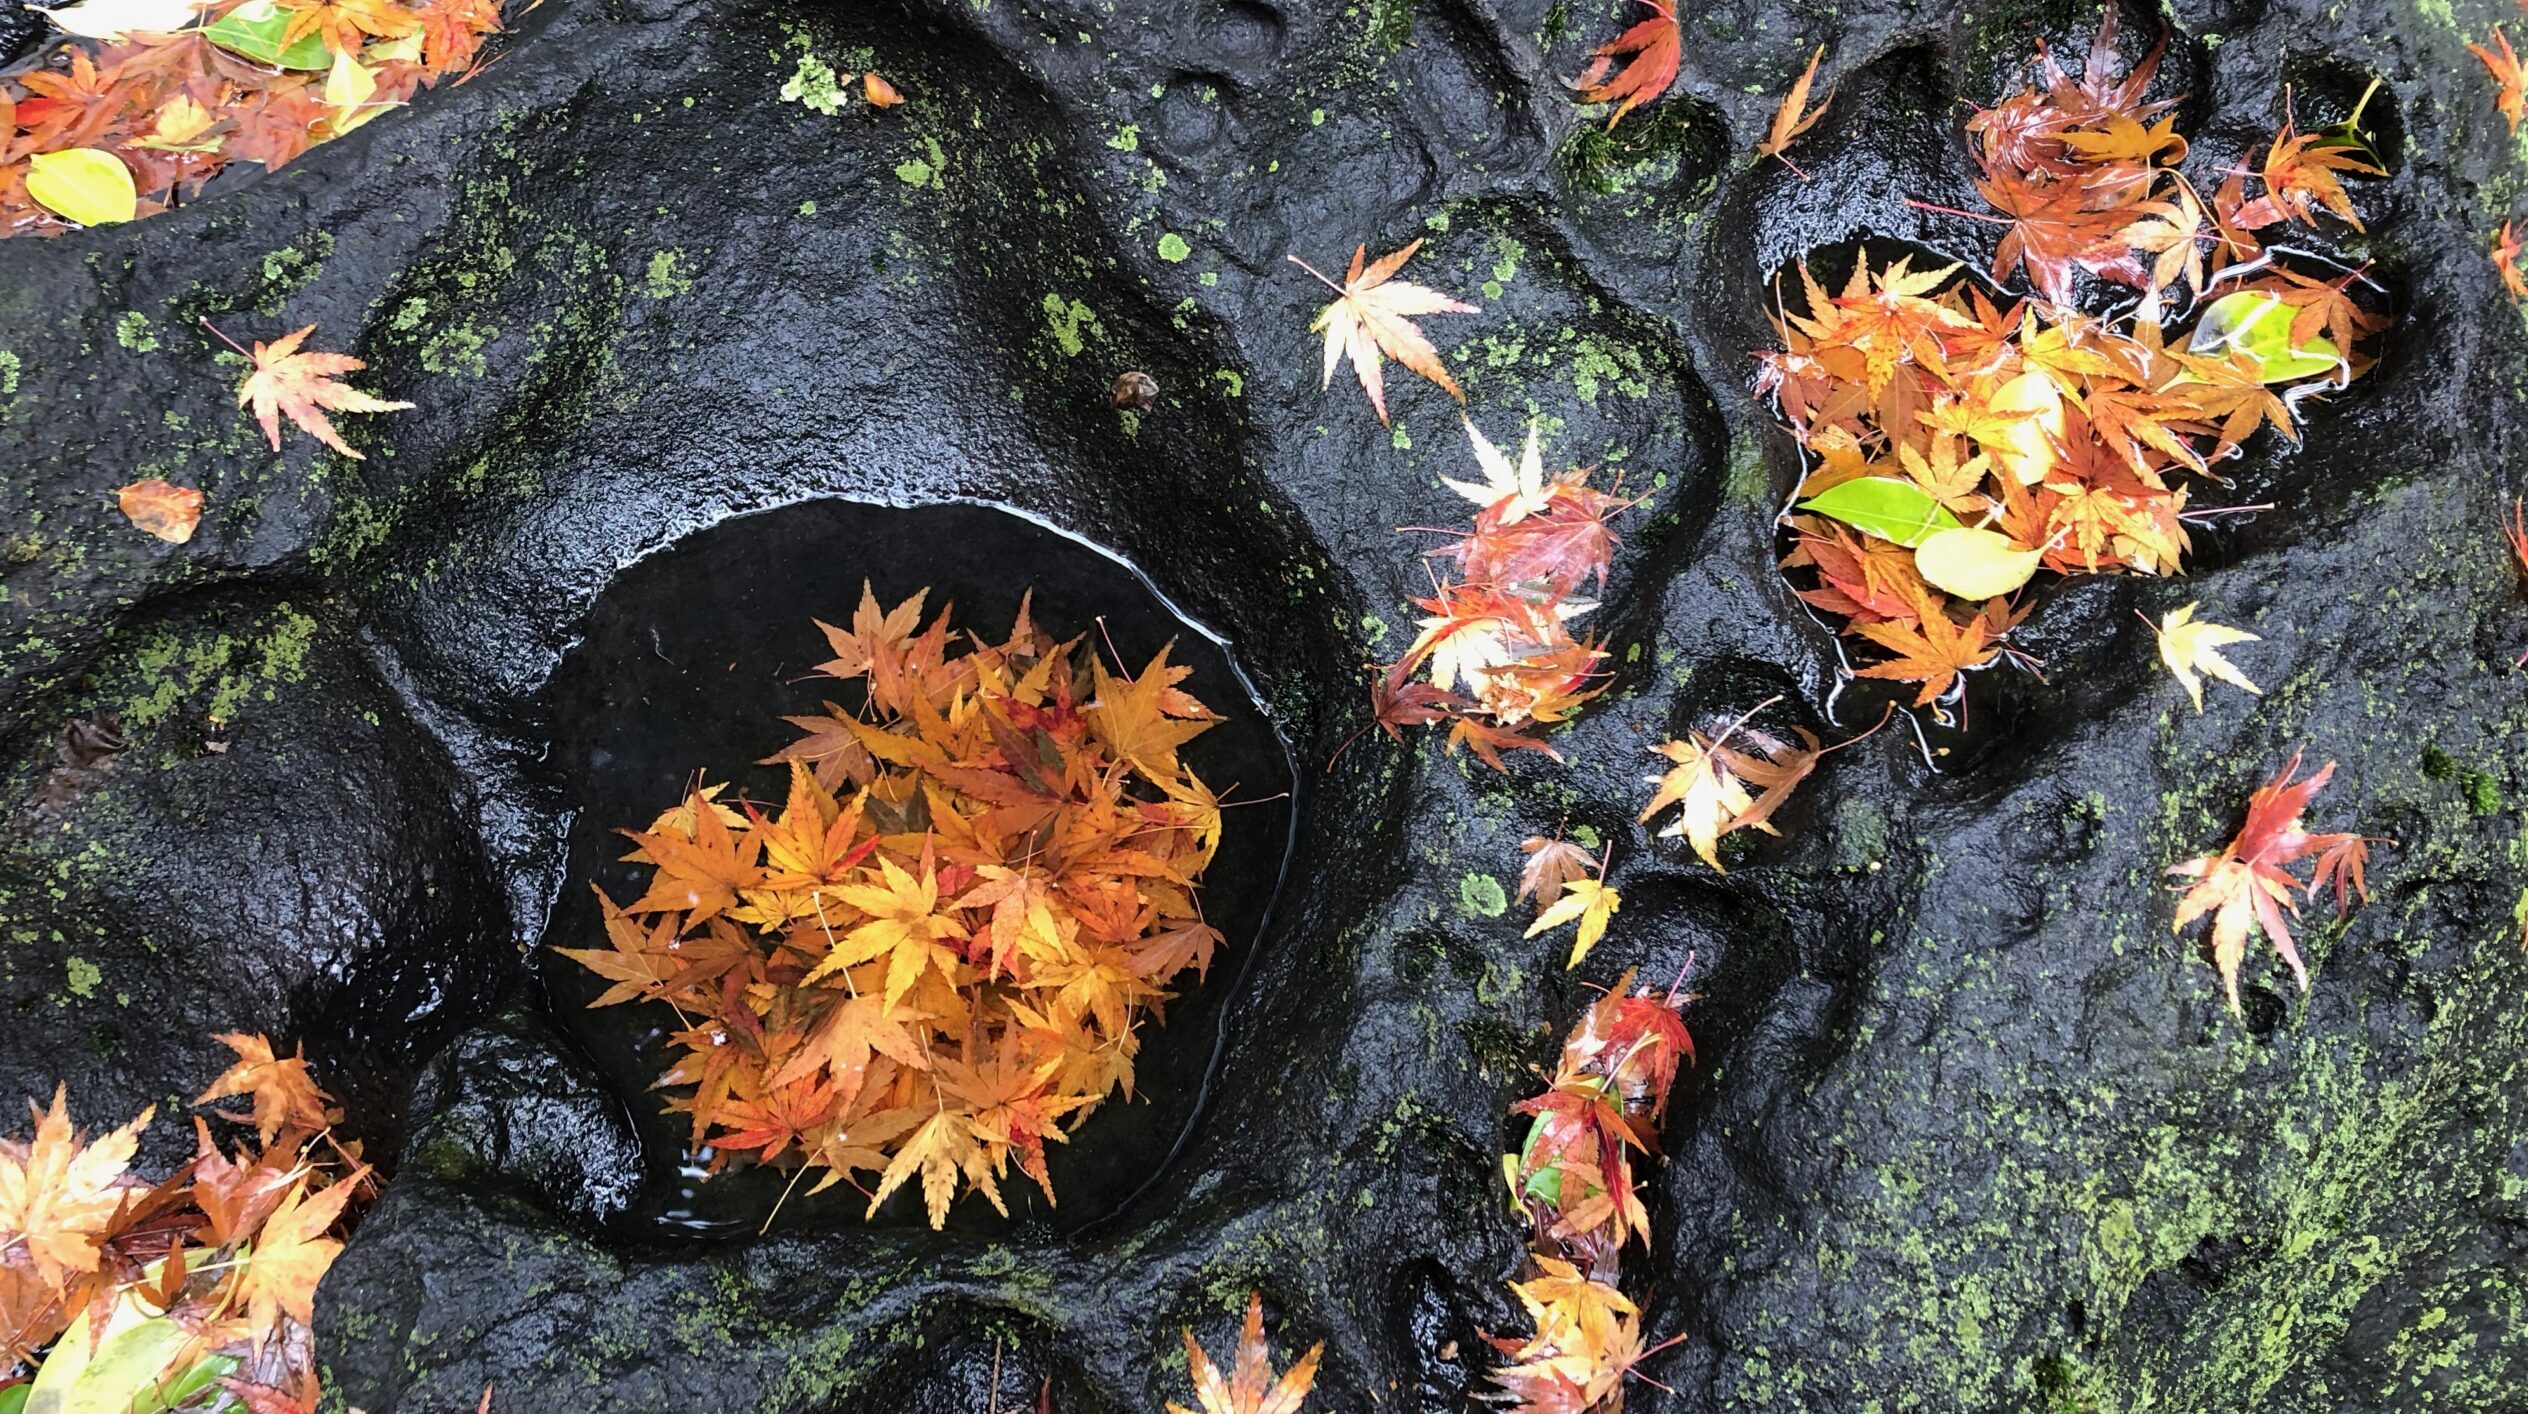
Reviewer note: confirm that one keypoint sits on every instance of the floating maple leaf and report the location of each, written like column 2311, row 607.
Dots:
column 1794, row 116
column 1252, row 1388
column 303, row 386
column 1650, row 51
column 1372, row 314
column 933, row 957
column 2191, row 647
column 169, row 512
column 2248, row 884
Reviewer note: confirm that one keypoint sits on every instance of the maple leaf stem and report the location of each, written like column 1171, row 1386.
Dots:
column 223, row 338
column 1803, row 176
column 2208, row 512
column 1953, row 211
column 1677, row 987
column 1884, row 717
column 817, row 897
column 784, row 1198
column 1321, row 279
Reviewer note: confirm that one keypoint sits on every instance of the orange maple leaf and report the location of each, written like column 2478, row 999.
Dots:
column 58, row 1196
column 2511, row 97
column 1795, row 116
column 1932, row 651
column 1654, row 46
column 289, row 1255
column 285, row 1096
column 2248, row 884
column 168, row 512
column 2506, row 249
column 303, row 386
column 1373, row 313
column 1252, row 1388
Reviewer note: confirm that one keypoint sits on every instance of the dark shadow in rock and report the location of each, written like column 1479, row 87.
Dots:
column 507, row 1104
column 275, row 848
column 684, row 668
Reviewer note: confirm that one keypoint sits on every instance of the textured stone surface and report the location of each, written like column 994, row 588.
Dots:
column 1971, row 1130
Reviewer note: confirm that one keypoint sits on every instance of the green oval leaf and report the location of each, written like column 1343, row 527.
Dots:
column 1974, row 564
column 1885, row 507
column 88, row 185
column 2258, row 325
column 253, row 31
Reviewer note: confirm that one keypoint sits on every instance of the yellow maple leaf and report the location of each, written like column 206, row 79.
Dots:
column 1373, row 313
column 1587, row 901
column 58, row 1196
column 1252, row 1389
column 2192, row 646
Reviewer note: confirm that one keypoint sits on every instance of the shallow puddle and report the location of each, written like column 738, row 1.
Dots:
column 687, row 663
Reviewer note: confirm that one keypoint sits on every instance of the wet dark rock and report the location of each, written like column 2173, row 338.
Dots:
column 1971, row 1130
column 508, row 1104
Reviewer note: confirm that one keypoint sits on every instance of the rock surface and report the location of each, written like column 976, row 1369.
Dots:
column 1971, row 1131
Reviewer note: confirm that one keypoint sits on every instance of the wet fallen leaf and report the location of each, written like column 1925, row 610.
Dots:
column 2248, row 884
column 1794, row 116
column 933, row 957
column 1709, row 781
column 2510, row 96
column 1252, row 1388
column 2506, row 248
column 1373, row 314
column 878, row 91
column 1551, row 864
column 85, row 185
column 303, row 387
column 2191, row 647
column 1649, row 50
column 169, row 512
column 1974, row 563
column 284, row 1094
column 1590, row 903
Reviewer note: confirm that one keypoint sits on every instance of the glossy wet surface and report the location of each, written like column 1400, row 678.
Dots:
column 685, row 666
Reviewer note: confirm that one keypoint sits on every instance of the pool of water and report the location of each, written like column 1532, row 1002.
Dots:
column 685, row 665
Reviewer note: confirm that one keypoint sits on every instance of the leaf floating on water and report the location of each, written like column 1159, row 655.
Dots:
column 2257, row 323
column 87, row 185
column 1885, row 507
column 1974, row 564
column 113, row 19
column 260, row 30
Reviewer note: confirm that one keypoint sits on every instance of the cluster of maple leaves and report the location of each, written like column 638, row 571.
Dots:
column 1499, row 625
column 1573, row 1180
column 933, row 959
column 163, row 94
column 119, row 1293
column 1961, row 444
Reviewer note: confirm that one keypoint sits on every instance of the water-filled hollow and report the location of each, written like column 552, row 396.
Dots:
column 686, row 664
